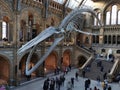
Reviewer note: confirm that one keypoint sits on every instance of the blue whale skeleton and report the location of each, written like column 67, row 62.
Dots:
column 66, row 26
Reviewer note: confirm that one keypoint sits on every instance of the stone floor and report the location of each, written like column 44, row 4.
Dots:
column 37, row 84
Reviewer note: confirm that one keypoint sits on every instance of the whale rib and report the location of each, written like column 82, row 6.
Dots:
column 28, row 72
column 42, row 36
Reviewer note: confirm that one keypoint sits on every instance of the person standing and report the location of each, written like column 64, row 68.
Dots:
column 86, row 84
column 105, row 76
column 46, row 85
column 95, row 88
column 72, row 81
column 89, row 82
column 52, row 85
column 76, row 76
column 109, row 88
column 83, row 73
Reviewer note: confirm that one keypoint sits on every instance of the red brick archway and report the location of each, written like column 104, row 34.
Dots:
column 4, row 69
column 51, row 62
column 22, row 64
column 66, row 58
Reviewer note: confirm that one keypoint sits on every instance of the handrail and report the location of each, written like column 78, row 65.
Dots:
column 89, row 59
column 114, row 67
column 113, row 70
column 86, row 63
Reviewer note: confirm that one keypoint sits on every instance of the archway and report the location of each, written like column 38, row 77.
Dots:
column 81, row 61
column 4, row 69
column 50, row 62
column 66, row 58
column 30, row 22
column 22, row 64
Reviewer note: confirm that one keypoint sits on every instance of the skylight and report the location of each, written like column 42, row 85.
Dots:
column 59, row 1
column 73, row 3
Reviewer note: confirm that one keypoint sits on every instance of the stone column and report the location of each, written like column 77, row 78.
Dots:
column 16, row 29
column 0, row 31
column 111, row 39
column 116, row 39
column 101, row 36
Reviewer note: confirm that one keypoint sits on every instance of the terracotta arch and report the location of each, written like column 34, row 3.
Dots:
column 22, row 63
column 26, row 11
column 81, row 60
column 4, row 69
column 66, row 58
column 51, row 62
column 31, row 17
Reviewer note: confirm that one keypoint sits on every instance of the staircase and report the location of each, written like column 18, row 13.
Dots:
column 95, row 69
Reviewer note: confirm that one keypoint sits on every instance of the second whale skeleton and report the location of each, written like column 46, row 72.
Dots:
column 66, row 26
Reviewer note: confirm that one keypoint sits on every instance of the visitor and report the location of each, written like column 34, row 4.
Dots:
column 101, row 68
column 109, row 88
column 46, row 85
column 2, row 87
column 69, row 85
column 52, row 85
column 98, row 80
column 105, row 76
column 83, row 73
column 76, row 76
column 72, row 81
column 86, row 84
column 106, row 84
column 56, row 82
column 95, row 88
column 103, row 85
column 59, row 83
column 89, row 82
column 69, row 67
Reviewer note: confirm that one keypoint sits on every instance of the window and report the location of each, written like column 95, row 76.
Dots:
column 99, row 17
column 73, row 3
column 114, row 14
column 4, row 30
column 105, row 39
column 118, row 51
column 109, row 39
column 95, row 21
column 119, row 17
column 60, row 1
column 114, row 39
column 108, row 18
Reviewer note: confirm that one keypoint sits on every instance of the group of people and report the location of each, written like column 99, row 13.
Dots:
column 87, row 84
column 51, row 84
column 58, row 82
column 64, row 69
